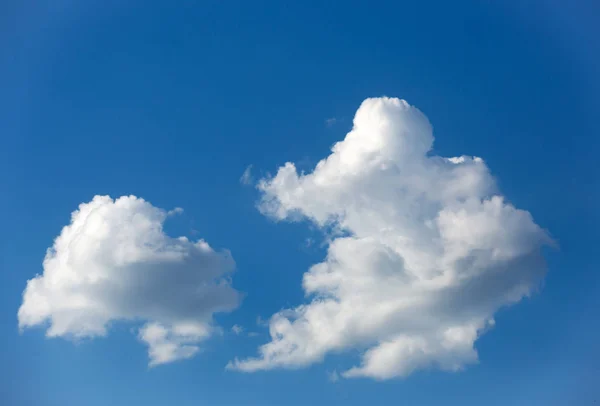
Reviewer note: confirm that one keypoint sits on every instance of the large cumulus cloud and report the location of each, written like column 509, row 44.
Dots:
column 426, row 252
column 114, row 262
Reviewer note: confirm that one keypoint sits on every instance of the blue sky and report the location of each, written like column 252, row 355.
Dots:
column 173, row 103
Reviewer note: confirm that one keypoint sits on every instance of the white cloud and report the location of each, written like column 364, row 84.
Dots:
column 170, row 344
column 237, row 329
column 114, row 262
column 175, row 211
column 423, row 253
column 247, row 178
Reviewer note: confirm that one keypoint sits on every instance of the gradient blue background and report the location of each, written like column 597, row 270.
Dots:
column 171, row 101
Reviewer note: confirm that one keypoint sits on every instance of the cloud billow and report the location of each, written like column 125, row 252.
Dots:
column 427, row 251
column 114, row 262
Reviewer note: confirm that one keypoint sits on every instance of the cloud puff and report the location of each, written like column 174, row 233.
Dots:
column 237, row 329
column 114, row 262
column 424, row 251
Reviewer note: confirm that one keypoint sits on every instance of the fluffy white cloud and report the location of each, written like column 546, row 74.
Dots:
column 237, row 329
column 114, row 262
column 423, row 252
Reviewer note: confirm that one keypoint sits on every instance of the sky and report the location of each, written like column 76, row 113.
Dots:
column 266, row 203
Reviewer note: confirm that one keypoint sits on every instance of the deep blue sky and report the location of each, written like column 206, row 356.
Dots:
column 172, row 102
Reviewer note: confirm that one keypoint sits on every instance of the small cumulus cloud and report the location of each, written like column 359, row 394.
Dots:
column 237, row 329
column 175, row 211
column 113, row 262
